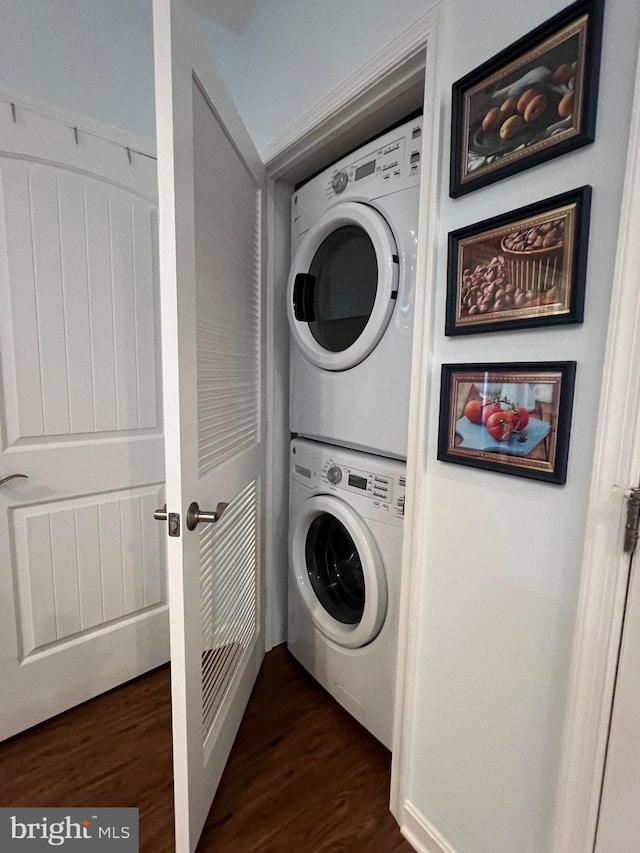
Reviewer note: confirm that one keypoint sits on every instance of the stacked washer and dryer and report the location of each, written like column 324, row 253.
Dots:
column 350, row 304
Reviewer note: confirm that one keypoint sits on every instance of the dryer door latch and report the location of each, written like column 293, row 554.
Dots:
column 304, row 289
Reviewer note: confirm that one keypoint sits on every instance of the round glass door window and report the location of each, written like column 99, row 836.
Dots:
column 335, row 569
column 345, row 270
column 342, row 286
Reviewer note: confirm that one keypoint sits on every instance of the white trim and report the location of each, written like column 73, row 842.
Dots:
column 271, row 546
column 380, row 80
column 421, row 834
column 140, row 144
column 605, row 567
column 277, row 410
column 414, row 546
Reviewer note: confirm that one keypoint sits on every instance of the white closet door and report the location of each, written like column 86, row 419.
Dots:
column 211, row 189
column 82, row 568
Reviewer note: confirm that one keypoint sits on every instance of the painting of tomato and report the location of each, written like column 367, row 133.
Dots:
column 511, row 418
column 501, row 424
column 521, row 416
column 473, row 411
column 488, row 410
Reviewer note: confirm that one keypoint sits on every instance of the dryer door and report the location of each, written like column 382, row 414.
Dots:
column 338, row 571
column 343, row 286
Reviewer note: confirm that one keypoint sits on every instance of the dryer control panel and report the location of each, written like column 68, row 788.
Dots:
column 381, row 167
column 397, row 158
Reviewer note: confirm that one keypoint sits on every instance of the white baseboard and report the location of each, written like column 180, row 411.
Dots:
column 420, row 833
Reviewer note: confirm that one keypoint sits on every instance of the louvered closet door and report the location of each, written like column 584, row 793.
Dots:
column 211, row 269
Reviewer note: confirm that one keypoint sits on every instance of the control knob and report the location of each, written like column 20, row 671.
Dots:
column 339, row 182
column 334, row 475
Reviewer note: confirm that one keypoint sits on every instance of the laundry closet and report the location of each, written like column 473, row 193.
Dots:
column 495, row 563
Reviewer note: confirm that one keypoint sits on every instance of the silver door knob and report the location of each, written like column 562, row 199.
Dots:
column 160, row 514
column 13, row 477
column 195, row 515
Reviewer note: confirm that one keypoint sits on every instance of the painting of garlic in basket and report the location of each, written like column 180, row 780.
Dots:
column 522, row 268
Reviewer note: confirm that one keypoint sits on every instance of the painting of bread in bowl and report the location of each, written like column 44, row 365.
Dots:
column 535, row 100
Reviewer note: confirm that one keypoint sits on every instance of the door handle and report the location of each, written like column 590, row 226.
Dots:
column 160, row 514
column 13, row 477
column 304, row 286
column 195, row 515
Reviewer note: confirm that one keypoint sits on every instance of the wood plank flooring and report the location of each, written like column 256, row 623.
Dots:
column 303, row 776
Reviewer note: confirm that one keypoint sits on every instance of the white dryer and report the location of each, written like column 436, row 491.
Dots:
column 345, row 549
column 351, row 295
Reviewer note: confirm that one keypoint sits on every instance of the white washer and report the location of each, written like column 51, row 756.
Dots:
column 350, row 295
column 345, row 548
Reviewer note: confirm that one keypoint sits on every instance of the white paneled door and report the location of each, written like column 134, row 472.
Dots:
column 82, row 565
column 211, row 201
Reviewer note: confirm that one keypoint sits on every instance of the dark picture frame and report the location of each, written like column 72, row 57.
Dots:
column 512, row 418
column 522, row 269
column 533, row 101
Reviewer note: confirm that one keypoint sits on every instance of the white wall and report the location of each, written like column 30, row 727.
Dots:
column 501, row 583
column 290, row 54
column 94, row 57
column 501, row 577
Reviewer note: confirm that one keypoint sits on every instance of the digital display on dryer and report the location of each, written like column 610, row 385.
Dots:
column 368, row 169
column 358, row 482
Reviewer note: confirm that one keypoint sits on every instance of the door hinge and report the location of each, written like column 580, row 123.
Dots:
column 633, row 519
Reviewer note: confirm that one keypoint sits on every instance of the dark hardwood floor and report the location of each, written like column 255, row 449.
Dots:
column 303, row 776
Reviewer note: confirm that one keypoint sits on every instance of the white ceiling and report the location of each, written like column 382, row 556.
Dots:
column 231, row 14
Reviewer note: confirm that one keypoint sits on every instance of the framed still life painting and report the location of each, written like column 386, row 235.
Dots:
column 533, row 101
column 510, row 418
column 522, row 269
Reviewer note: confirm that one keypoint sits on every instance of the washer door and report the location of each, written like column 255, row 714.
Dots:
column 342, row 286
column 338, row 571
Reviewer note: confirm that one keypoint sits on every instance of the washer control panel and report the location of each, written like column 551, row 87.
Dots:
column 375, row 486
column 386, row 493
